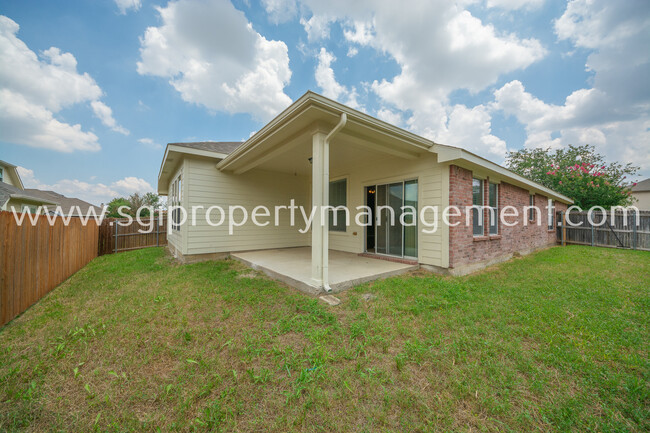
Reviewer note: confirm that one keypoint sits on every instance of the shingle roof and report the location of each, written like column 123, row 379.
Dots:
column 225, row 147
column 6, row 191
column 67, row 204
column 644, row 185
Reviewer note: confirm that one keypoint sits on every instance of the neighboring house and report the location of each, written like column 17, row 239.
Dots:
column 69, row 206
column 641, row 192
column 365, row 162
column 14, row 196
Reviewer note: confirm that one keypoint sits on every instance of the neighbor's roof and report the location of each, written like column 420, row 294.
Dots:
column 644, row 185
column 67, row 203
column 9, row 191
column 224, row 147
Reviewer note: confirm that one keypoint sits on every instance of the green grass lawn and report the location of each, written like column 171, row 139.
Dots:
column 555, row 341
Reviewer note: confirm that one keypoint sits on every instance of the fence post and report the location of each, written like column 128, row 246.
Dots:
column 157, row 232
column 115, row 249
column 592, row 235
column 563, row 214
column 634, row 230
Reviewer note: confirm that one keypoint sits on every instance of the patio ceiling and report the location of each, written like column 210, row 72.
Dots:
column 285, row 143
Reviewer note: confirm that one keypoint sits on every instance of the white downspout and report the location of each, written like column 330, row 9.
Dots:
column 326, row 198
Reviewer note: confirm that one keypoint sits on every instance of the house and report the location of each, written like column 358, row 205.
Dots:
column 67, row 206
column 319, row 152
column 641, row 192
column 13, row 194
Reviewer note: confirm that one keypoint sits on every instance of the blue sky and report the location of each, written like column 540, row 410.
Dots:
column 90, row 92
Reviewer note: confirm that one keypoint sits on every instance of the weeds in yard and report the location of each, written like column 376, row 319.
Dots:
column 556, row 341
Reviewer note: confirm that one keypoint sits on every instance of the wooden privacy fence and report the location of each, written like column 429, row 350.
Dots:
column 116, row 236
column 624, row 230
column 35, row 258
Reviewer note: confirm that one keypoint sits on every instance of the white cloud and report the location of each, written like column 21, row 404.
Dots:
column 515, row 4
column 390, row 116
column 280, row 11
column 580, row 120
column 125, row 5
column 131, row 184
column 150, row 143
column 104, row 113
column 95, row 193
column 327, row 81
column 471, row 128
column 614, row 114
column 361, row 33
column 213, row 57
column 439, row 48
column 23, row 122
column 35, row 89
column 317, row 27
column 353, row 51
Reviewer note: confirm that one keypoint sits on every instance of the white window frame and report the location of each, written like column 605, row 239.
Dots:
column 551, row 214
column 176, row 196
column 531, row 208
column 479, row 210
column 493, row 211
column 2, row 174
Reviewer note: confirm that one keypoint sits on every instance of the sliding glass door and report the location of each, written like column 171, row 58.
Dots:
column 391, row 237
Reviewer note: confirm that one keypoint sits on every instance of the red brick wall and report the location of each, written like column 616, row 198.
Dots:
column 465, row 248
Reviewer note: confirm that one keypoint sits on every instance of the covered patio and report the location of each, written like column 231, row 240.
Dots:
column 293, row 267
column 315, row 141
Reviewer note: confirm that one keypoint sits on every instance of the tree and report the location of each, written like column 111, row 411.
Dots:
column 145, row 201
column 115, row 204
column 577, row 172
column 133, row 203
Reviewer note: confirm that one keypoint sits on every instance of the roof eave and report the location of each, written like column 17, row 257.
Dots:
column 32, row 199
column 450, row 154
column 172, row 148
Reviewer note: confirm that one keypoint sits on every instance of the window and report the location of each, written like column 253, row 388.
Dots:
column 338, row 197
column 477, row 208
column 1, row 175
column 551, row 214
column 531, row 209
column 493, row 203
column 175, row 198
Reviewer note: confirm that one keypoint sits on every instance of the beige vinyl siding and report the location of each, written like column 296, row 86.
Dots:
column 6, row 177
column 209, row 187
column 642, row 200
column 19, row 204
column 432, row 249
column 178, row 238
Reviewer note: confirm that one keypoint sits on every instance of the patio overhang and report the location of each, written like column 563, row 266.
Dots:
column 311, row 114
column 311, row 136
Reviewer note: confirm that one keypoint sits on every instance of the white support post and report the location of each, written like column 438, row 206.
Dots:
column 321, row 198
column 326, row 226
column 317, row 227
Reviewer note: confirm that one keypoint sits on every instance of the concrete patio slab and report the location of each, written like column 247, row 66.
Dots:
column 293, row 267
